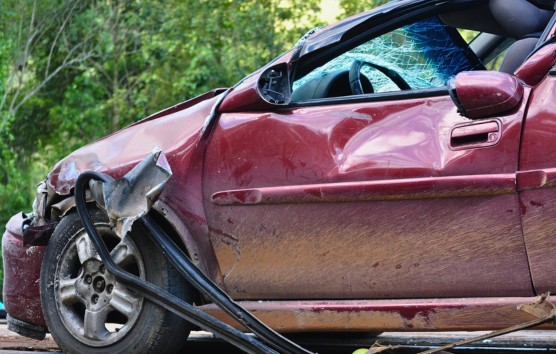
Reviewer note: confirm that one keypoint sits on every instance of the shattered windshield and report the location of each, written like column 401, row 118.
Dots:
column 425, row 54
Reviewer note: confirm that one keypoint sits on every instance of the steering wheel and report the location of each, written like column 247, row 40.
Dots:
column 355, row 76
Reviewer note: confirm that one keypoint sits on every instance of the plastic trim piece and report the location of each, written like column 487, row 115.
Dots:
column 410, row 188
column 26, row 329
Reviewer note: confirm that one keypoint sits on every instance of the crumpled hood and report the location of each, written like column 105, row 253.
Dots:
column 175, row 131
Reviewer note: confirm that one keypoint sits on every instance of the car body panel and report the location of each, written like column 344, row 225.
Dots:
column 22, row 264
column 354, row 204
column 180, row 135
column 538, row 176
column 362, row 243
column 176, row 134
column 178, row 130
column 460, row 314
column 534, row 69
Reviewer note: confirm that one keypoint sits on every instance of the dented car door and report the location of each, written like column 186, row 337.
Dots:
column 371, row 200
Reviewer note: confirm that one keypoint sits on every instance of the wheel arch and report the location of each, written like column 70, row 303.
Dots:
column 179, row 233
column 170, row 222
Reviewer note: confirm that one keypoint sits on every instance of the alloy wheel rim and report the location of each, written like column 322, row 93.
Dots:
column 93, row 306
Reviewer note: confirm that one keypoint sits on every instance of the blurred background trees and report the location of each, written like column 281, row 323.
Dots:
column 72, row 71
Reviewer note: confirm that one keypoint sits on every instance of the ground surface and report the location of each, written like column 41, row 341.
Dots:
column 202, row 342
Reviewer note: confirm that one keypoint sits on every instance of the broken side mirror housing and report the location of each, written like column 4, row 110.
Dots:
column 274, row 85
column 481, row 94
column 265, row 90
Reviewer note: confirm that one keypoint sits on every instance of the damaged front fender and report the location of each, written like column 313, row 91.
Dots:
column 176, row 130
column 132, row 196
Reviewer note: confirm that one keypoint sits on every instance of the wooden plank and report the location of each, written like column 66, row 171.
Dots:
column 329, row 343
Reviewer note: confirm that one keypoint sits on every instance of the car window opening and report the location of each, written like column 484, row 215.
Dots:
column 425, row 54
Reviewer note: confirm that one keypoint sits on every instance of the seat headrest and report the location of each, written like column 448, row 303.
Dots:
column 519, row 17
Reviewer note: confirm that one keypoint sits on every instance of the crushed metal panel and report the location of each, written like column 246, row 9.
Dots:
column 132, row 196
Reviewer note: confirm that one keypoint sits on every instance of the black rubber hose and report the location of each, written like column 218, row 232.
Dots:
column 200, row 281
column 160, row 297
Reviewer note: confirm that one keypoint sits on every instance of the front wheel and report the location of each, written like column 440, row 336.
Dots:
column 88, row 310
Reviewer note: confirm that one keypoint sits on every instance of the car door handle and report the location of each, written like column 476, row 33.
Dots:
column 475, row 135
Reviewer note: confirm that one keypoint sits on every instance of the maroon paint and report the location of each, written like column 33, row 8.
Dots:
column 181, row 106
column 545, row 178
column 285, row 151
column 486, row 93
column 538, row 151
column 384, row 315
column 371, row 248
column 22, row 265
column 537, row 178
column 410, row 188
column 178, row 134
column 534, row 69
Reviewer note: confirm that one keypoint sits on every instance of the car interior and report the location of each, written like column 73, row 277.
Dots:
column 424, row 54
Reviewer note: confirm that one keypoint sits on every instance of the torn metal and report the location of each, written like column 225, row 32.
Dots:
column 130, row 197
column 36, row 228
column 543, row 309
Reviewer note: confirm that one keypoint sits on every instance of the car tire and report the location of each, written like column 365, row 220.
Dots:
column 88, row 311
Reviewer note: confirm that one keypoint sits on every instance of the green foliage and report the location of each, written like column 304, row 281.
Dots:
column 468, row 35
column 72, row 71
column 351, row 7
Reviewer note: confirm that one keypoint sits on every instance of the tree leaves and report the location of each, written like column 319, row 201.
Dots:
column 72, row 71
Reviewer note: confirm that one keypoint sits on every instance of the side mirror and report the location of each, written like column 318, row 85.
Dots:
column 274, row 85
column 261, row 91
column 481, row 94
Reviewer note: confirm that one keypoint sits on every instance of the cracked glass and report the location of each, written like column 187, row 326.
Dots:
column 425, row 54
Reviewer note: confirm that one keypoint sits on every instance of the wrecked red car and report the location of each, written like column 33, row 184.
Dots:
column 384, row 174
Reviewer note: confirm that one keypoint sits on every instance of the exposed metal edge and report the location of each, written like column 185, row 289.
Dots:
column 402, row 189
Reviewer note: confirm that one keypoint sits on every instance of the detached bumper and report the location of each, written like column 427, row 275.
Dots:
column 22, row 267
